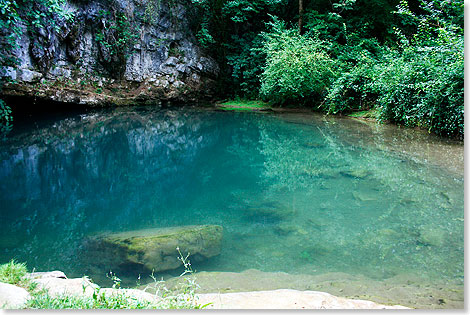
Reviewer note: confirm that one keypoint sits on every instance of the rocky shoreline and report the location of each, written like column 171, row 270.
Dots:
column 57, row 284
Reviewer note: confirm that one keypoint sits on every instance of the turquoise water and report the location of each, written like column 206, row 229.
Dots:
column 354, row 198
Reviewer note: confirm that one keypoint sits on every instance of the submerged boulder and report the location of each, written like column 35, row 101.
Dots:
column 155, row 249
column 267, row 214
column 431, row 236
column 364, row 196
column 356, row 173
column 267, row 211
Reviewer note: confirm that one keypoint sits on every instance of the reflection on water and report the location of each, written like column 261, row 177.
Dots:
column 347, row 196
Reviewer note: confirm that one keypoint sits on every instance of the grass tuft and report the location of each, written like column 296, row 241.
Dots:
column 13, row 272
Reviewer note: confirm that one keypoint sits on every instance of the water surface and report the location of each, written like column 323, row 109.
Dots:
column 357, row 198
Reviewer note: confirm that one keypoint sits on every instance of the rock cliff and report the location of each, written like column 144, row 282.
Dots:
column 114, row 52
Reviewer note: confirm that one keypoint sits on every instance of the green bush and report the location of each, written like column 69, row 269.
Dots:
column 418, row 83
column 422, row 83
column 424, row 86
column 298, row 68
column 352, row 90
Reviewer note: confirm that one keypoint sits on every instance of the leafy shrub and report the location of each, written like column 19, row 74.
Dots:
column 352, row 90
column 419, row 83
column 424, row 86
column 297, row 68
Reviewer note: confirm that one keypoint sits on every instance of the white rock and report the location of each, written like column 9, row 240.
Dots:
column 12, row 297
column 59, row 286
column 26, row 75
column 285, row 299
column 47, row 274
column 8, row 72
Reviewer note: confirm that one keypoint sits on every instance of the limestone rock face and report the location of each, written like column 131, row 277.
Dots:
column 163, row 61
column 155, row 249
column 12, row 297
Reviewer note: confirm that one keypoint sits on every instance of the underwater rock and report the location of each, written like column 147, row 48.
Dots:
column 285, row 228
column 271, row 212
column 361, row 196
column 319, row 173
column 311, row 172
column 388, row 233
column 358, row 173
column 155, row 249
column 431, row 236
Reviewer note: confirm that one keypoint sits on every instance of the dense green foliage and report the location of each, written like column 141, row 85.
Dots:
column 404, row 59
column 297, row 69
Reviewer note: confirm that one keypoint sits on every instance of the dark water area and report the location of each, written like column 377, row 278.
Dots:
column 359, row 198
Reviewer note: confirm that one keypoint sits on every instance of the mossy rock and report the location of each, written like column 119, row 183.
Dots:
column 155, row 249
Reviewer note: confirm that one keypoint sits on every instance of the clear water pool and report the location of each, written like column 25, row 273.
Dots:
column 354, row 197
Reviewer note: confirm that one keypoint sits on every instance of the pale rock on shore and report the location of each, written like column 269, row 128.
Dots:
column 57, row 284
